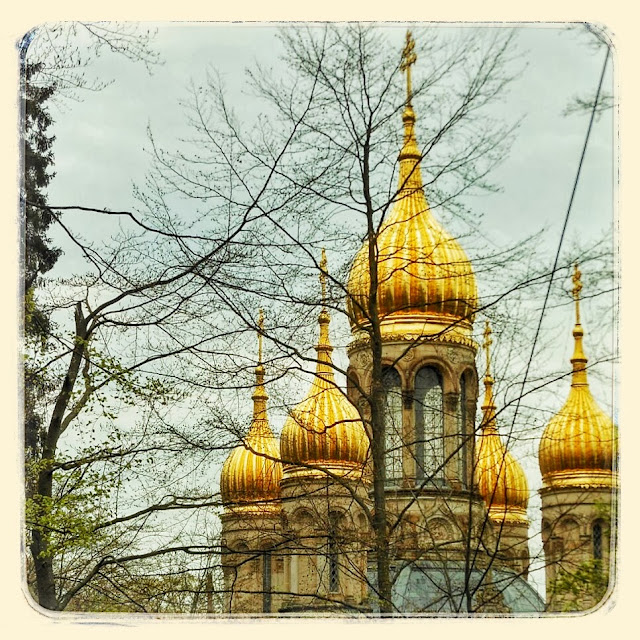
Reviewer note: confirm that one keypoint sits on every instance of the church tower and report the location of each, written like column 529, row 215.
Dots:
column 324, row 449
column 578, row 463
column 426, row 298
column 252, row 537
column 501, row 482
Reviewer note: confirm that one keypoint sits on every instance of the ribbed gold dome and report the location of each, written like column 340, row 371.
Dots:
column 424, row 275
column 579, row 445
column 325, row 429
column 252, row 472
column 498, row 475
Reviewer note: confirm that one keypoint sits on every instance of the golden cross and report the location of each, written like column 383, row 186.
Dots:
column 408, row 58
column 487, row 343
column 577, row 287
column 577, row 284
column 323, row 276
column 260, row 330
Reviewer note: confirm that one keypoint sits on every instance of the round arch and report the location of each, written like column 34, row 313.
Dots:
column 444, row 369
column 428, row 409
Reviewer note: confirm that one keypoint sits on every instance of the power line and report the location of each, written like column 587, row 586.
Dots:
column 564, row 228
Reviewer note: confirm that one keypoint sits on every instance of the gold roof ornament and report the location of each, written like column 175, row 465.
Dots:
column 324, row 432
column 251, row 474
column 579, row 445
column 426, row 283
column 499, row 477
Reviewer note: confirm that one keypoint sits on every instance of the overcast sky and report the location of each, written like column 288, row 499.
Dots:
column 101, row 142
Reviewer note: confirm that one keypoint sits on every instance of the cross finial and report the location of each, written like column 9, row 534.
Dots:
column 577, row 287
column 323, row 276
column 260, row 330
column 409, row 58
column 487, row 343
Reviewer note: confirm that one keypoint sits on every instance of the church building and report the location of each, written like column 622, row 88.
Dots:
column 298, row 533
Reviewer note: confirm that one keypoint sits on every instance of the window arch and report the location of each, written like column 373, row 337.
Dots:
column 353, row 386
column 462, row 431
column 333, row 553
column 568, row 531
column 393, row 425
column 597, row 539
column 429, row 424
column 266, row 580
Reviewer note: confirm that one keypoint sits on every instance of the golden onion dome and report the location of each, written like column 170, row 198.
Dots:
column 251, row 474
column 579, row 445
column 500, row 479
column 324, row 433
column 424, row 275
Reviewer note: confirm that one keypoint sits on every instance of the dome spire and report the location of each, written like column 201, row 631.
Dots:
column 251, row 474
column 499, row 477
column 410, row 178
column 426, row 284
column 488, row 404
column 579, row 444
column 579, row 359
column 324, row 368
column 259, row 425
column 325, row 431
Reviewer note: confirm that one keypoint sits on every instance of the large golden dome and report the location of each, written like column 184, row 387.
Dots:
column 251, row 474
column 424, row 275
column 579, row 445
column 498, row 475
column 324, row 432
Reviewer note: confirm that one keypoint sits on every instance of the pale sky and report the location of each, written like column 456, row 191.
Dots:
column 101, row 146
column 101, row 140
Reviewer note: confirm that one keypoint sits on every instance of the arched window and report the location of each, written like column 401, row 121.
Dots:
column 333, row 550
column 429, row 425
column 462, row 431
column 353, row 387
column 393, row 425
column 596, row 535
column 266, row 581
column 293, row 573
column 568, row 530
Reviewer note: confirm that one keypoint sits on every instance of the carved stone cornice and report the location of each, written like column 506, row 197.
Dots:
column 445, row 338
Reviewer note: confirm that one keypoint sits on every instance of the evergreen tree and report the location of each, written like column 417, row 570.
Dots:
column 39, row 255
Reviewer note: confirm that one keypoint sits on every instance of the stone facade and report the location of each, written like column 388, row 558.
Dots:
column 577, row 534
column 455, row 364
column 253, row 545
column 328, row 533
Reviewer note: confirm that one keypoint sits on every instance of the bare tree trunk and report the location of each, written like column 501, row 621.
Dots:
column 209, row 592
column 43, row 566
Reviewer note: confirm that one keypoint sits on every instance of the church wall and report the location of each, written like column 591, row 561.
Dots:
column 452, row 361
column 436, row 519
column 568, row 518
column 252, row 538
column 511, row 544
column 327, row 544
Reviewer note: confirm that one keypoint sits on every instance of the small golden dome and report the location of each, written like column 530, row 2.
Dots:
column 424, row 275
column 579, row 445
column 324, row 432
column 252, row 472
column 500, row 479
